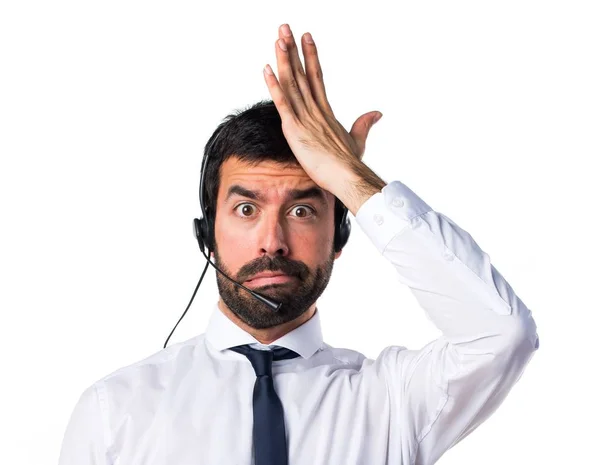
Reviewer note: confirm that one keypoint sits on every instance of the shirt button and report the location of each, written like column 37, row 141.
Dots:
column 397, row 202
column 378, row 219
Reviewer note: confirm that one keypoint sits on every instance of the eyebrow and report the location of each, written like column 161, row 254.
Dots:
column 292, row 194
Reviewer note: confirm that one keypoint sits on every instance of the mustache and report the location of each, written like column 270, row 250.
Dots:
column 276, row 264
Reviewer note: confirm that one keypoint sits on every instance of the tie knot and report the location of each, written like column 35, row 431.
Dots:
column 262, row 360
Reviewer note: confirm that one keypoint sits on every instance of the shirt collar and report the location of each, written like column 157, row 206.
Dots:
column 305, row 340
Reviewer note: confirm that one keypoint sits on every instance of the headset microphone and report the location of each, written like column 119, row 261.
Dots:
column 275, row 306
column 271, row 303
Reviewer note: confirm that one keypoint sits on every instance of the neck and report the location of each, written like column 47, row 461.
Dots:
column 268, row 335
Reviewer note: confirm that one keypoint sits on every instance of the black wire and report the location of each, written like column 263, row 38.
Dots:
column 191, row 300
column 207, row 257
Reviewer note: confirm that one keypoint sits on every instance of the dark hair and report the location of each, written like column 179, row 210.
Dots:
column 253, row 135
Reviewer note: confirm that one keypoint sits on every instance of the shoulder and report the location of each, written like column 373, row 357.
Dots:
column 157, row 368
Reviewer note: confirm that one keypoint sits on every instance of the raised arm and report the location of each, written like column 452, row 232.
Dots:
column 454, row 383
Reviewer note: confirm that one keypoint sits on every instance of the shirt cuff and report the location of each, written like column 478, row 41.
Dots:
column 389, row 212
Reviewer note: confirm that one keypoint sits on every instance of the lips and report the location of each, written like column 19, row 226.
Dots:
column 266, row 275
column 269, row 278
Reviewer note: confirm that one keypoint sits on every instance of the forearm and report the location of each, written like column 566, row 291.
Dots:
column 356, row 184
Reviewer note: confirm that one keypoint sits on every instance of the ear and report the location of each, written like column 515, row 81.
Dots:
column 337, row 254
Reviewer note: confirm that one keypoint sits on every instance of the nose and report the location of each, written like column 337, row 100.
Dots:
column 272, row 237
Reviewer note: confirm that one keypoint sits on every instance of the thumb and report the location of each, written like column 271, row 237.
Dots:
column 362, row 126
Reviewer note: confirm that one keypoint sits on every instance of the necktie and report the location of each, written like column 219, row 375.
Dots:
column 268, row 435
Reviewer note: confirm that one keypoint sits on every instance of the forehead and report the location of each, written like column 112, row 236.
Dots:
column 272, row 179
column 233, row 167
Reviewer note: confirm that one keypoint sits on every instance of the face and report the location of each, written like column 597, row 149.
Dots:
column 272, row 232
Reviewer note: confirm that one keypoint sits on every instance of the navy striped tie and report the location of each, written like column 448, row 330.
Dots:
column 268, row 436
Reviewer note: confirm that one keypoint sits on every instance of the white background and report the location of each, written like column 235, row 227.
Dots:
column 490, row 114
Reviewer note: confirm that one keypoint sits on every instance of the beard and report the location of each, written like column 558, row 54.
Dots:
column 296, row 296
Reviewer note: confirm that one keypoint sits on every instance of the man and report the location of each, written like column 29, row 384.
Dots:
column 261, row 386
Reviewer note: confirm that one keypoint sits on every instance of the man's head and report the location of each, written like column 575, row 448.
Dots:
column 270, row 217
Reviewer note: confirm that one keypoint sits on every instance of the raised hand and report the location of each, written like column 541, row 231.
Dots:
column 320, row 143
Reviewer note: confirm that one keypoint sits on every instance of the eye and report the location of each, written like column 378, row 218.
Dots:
column 248, row 208
column 303, row 207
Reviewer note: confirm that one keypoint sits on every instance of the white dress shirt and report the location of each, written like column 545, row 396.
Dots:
column 191, row 403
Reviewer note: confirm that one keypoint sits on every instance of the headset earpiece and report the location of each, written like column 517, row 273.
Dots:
column 342, row 229
column 204, row 230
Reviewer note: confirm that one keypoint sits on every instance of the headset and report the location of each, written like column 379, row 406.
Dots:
column 204, row 229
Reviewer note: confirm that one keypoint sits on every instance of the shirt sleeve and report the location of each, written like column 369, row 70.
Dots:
column 83, row 441
column 445, row 390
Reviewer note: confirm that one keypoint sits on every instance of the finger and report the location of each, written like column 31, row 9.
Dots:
column 291, row 75
column 314, row 73
column 285, row 109
column 361, row 128
column 299, row 74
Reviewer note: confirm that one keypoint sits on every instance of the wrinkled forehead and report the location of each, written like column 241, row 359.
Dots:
column 235, row 167
column 267, row 182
